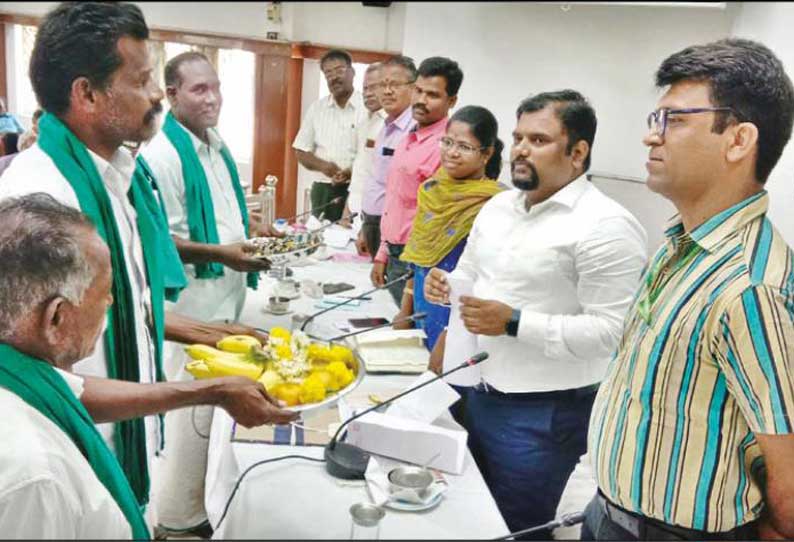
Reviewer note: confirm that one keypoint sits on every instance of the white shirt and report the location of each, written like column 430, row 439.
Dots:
column 329, row 131
column 366, row 132
column 571, row 265
column 47, row 487
column 34, row 171
column 203, row 299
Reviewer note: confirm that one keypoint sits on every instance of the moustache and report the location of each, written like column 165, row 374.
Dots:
column 153, row 112
column 421, row 108
column 525, row 184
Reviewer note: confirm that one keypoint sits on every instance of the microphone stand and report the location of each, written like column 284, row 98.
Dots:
column 337, row 199
column 409, row 318
column 406, row 276
column 566, row 520
column 349, row 462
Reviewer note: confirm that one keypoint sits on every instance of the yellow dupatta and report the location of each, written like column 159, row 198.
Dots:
column 445, row 211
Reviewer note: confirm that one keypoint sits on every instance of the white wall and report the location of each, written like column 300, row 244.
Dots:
column 771, row 24
column 609, row 53
column 345, row 24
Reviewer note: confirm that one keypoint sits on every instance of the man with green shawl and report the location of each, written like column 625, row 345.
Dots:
column 92, row 74
column 208, row 221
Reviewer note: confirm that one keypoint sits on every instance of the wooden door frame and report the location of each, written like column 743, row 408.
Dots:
column 282, row 101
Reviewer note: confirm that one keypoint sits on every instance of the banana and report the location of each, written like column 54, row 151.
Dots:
column 198, row 369
column 202, row 351
column 240, row 344
column 233, row 366
column 270, row 379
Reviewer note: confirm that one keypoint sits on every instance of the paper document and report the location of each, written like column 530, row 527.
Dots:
column 460, row 345
column 425, row 404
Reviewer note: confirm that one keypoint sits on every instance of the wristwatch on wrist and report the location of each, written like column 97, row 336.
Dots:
column 511, row 328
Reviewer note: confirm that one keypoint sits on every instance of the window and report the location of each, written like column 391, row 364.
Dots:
column 21, row 100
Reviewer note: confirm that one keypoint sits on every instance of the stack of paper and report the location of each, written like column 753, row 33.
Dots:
column 392, row 351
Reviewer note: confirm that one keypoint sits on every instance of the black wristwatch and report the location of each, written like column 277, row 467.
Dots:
column 511, row 328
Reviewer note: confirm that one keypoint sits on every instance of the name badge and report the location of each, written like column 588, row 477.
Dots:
column 387, row 151
column 370, row 143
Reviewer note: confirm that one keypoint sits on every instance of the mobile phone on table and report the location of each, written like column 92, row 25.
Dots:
column 367, row 322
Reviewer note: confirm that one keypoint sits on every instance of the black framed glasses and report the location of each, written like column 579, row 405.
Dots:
column 657, row 120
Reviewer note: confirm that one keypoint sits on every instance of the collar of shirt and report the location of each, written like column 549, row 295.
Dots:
column 421, row 134
column 380, row 113
column 719, row 227
column 403, row 122
column 215, row 141
column 354, row 99
column 116, row 174
column 74, row 382
column 567, row 196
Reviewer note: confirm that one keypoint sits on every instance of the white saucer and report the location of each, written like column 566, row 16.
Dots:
column 267, row 310
column 414, row 507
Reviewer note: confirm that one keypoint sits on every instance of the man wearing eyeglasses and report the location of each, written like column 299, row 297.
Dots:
column 416, row 158
column 554, row 265
column 691, row 432
column 326, row 141
column 394, row 93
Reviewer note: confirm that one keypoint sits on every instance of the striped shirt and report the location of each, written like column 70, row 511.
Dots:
column 672, row 434
column 329, row 132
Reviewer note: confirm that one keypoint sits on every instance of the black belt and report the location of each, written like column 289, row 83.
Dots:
column 556, row 395
column 645, row 528
column 370, row 219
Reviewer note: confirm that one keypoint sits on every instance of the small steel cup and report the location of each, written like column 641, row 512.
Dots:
column 413, row 480
column 365, row 521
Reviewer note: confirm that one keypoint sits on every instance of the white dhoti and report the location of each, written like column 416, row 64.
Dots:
column 183, row 461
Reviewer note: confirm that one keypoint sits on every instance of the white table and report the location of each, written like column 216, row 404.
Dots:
column 294, row 498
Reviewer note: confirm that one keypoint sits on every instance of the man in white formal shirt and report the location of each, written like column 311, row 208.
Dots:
column 92, row 108
column 369, row 126
column 554, row 267
column 194, row 93
column 326, row 142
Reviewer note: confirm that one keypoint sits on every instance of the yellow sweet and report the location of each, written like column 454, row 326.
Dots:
column 283, row 351
column 312, row 390
column 340, row 371
column 280, row 333
column 287, row 392
column 329, row 380
column 341, row 353
column 319, row 353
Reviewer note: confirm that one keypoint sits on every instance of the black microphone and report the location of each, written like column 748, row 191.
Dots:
column 567, row 520
column 409, row 318
column 406, row 276
column 349, row 462
column 337, row 199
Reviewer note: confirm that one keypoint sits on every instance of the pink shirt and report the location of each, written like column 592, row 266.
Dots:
column 415, row 159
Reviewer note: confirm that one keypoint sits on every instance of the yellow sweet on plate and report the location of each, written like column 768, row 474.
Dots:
column 329, row 380
column 287, row 392
column 341, row 372
column 270, row 379
column 280, row 333
column 312, row 390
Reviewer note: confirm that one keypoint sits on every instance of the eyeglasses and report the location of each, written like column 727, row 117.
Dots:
column 391, row 85
column 657, row 120
column 447, row 144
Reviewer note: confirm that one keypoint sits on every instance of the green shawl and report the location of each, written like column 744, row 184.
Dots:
column 163, row 270
column 200, row 212
column 40, row 386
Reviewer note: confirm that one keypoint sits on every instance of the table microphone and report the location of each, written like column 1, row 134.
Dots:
column 404, row 277
column 349, row 462
column 567, row 520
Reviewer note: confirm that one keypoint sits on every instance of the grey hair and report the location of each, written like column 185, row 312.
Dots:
column 40, row 256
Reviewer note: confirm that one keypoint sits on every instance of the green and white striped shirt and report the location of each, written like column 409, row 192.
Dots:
column 704, row 364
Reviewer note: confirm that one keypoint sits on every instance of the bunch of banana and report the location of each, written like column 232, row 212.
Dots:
column 210, row 362
column 240, row 344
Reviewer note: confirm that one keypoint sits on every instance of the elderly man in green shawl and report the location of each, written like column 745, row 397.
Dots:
column 58, row 478
column 92, row 74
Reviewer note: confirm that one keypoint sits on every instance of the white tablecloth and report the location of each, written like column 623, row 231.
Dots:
column 294, row 498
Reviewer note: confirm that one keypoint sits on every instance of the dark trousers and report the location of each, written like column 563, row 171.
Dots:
column 370, row 226
column 599, row 526
column 322, row 193
column 395, row 268
column 526, row 446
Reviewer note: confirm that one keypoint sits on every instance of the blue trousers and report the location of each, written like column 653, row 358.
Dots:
column 526, row 446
